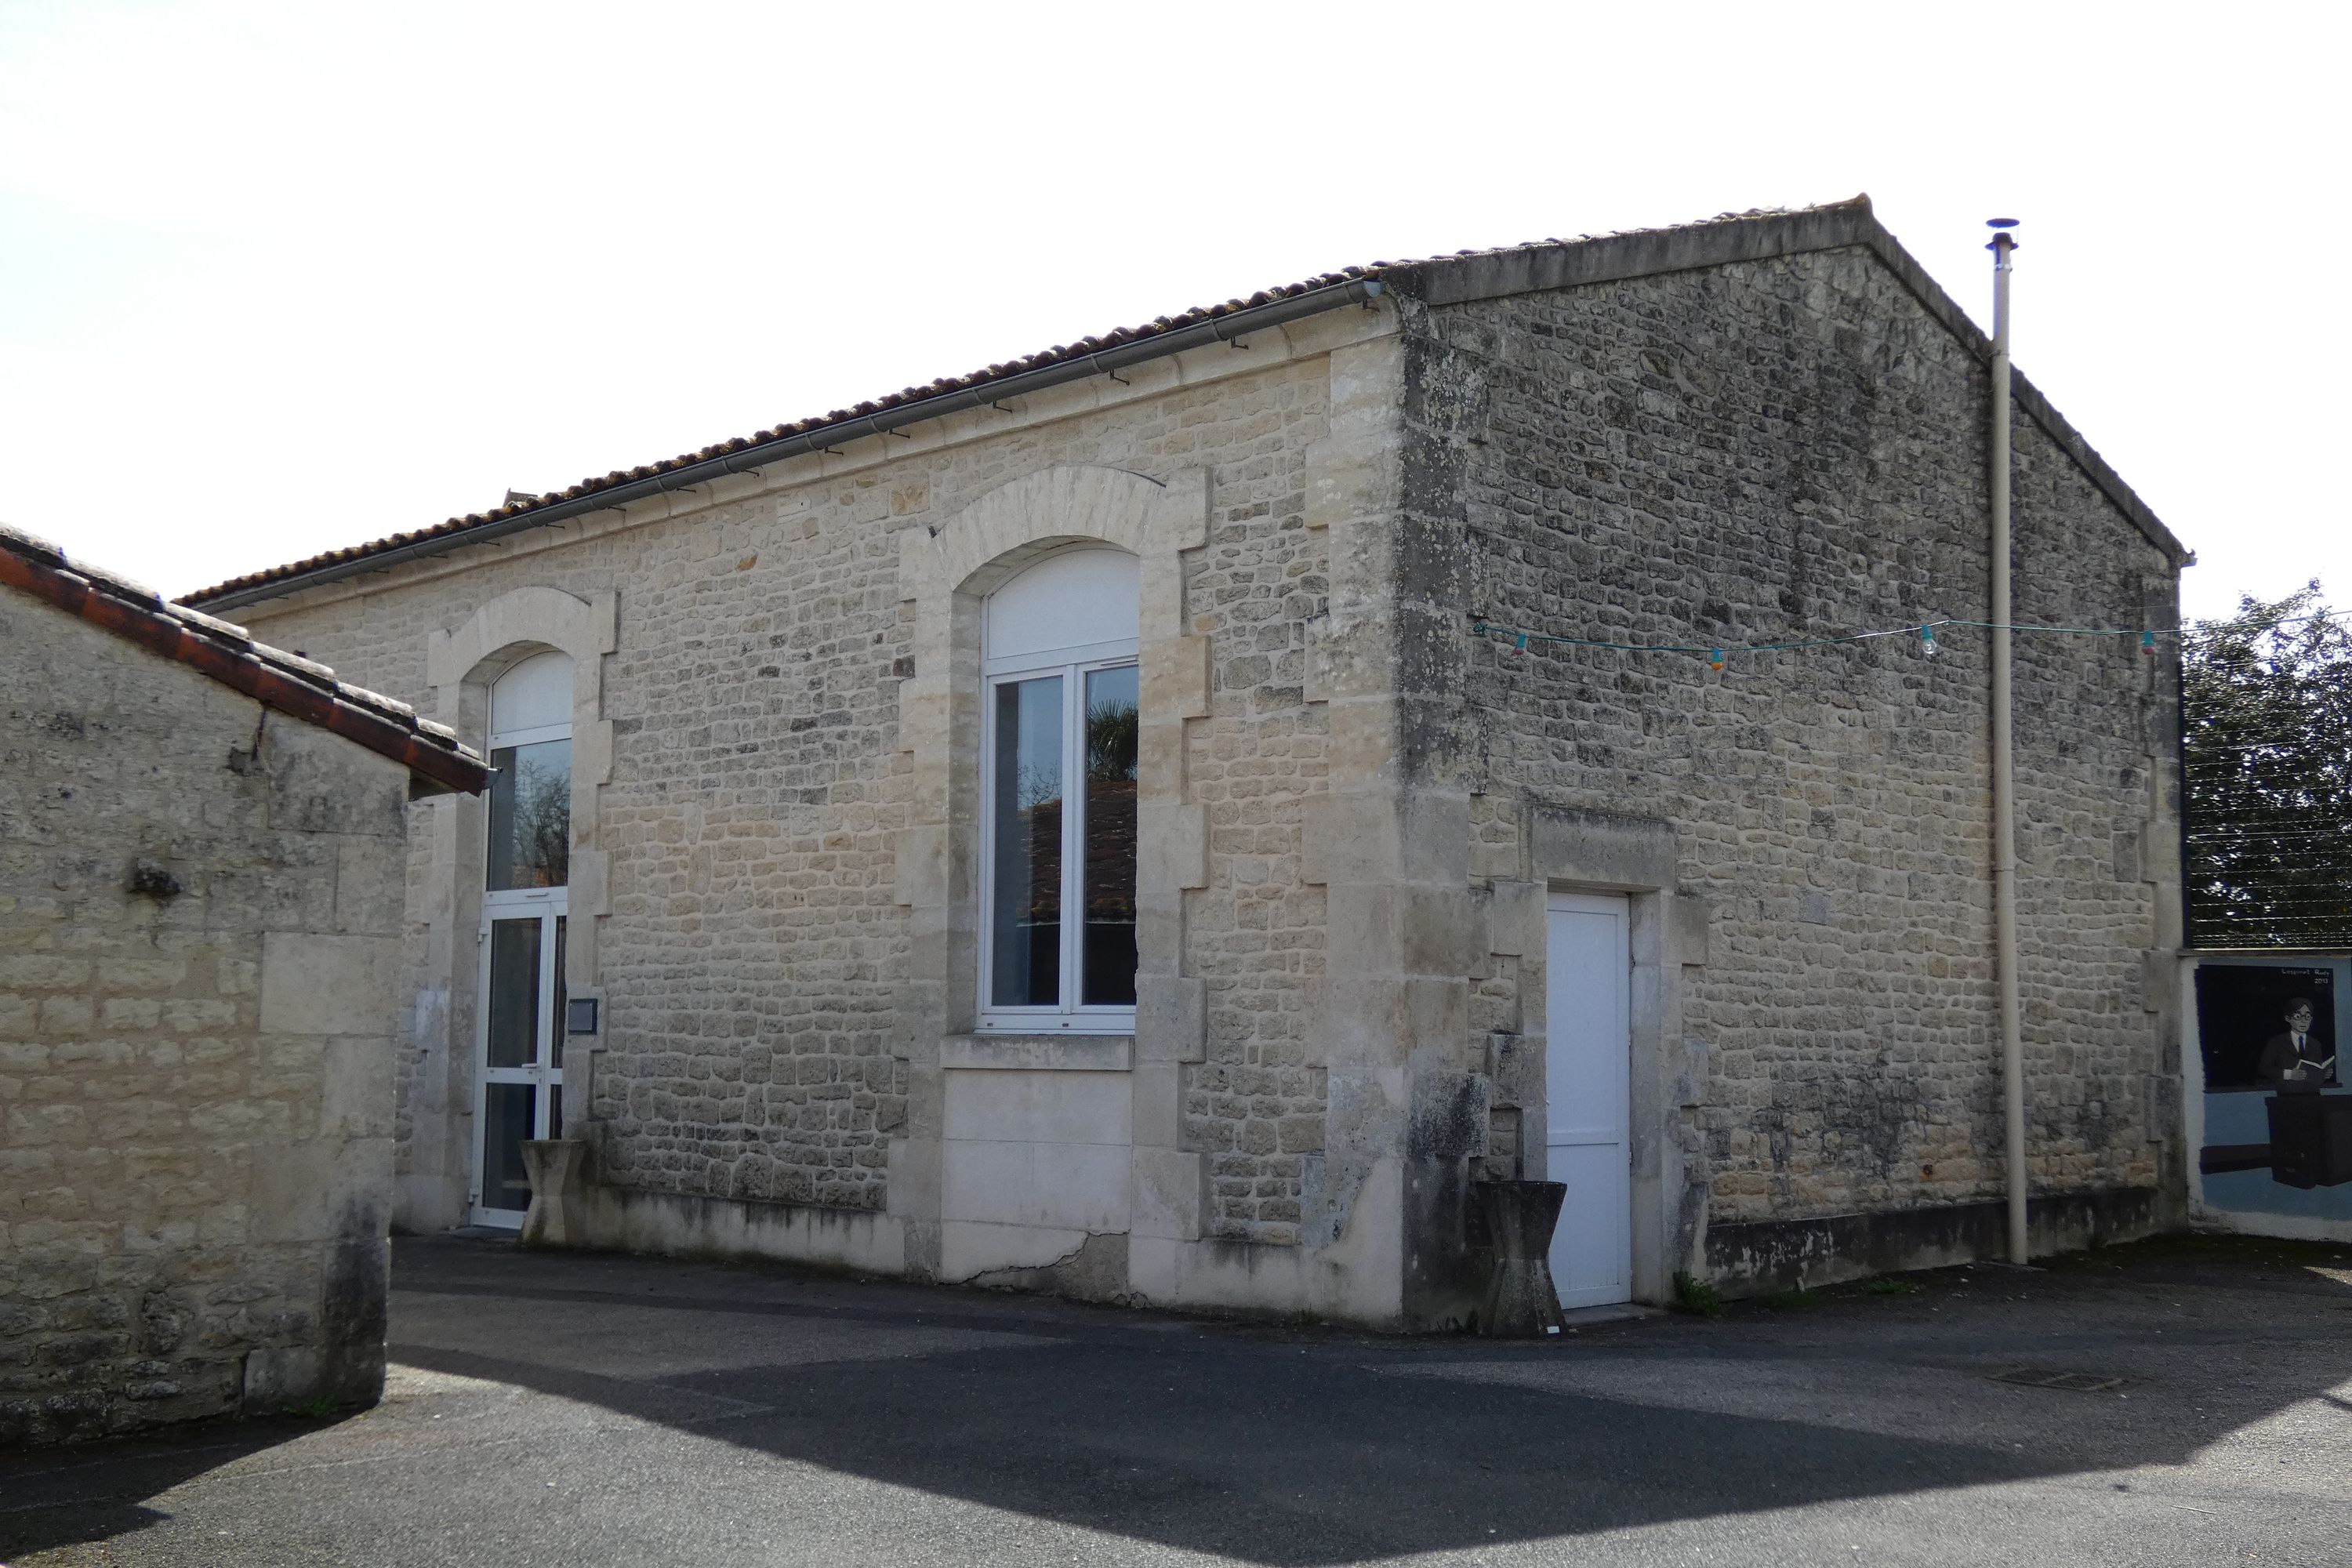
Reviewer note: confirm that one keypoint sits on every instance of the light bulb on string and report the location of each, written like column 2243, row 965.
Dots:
column 1513, row 642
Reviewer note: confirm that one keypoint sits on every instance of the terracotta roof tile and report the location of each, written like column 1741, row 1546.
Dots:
column 300, row 688
column 1061, row 353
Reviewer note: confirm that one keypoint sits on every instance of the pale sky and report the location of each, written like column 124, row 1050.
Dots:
column 277, row 279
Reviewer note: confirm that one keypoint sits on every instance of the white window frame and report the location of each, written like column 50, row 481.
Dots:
column 1072, row 665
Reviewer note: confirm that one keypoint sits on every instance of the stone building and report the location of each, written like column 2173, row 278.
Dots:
column 203, row 858
column 845, row 975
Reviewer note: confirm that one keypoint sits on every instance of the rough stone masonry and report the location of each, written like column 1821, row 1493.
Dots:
column 1352, row 805
column 200, row 927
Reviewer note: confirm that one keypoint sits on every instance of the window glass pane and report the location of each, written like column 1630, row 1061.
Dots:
column 1108, row 940
column 514, row 993
column 531, row 816
column 507, row 1111
column 1025, row 921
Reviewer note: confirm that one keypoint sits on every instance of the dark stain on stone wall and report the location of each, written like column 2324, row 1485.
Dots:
column 1445, row 1137
column 356, row 1306
column 1445, row 415
column 1770, row 1255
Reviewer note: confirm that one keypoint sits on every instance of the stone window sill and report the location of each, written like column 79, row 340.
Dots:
column 1039, row 1052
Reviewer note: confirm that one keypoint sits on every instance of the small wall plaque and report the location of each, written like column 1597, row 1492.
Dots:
column 580, row 1014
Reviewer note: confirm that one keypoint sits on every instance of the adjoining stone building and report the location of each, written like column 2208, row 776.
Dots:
column 202, row 861
column 849, row 976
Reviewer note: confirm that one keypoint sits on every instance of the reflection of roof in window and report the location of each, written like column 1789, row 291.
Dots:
column 1110, row 847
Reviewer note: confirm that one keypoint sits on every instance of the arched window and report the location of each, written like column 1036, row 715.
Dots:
column 520, row 1094
column 531, row 796
column 1058, row 795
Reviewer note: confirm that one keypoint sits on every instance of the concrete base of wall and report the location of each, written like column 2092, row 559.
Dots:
column 1770, row 1255
column 2282, row 1227
column 623, row 1219
column 1235, row 1275
column 1355, row 1281
column 1223, row 1276
column 1096, row 1270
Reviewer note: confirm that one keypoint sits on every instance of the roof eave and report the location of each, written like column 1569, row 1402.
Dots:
column 1224, row 328
column 1446, row 280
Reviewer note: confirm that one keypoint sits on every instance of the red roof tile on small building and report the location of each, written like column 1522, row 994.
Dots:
column 297, row 687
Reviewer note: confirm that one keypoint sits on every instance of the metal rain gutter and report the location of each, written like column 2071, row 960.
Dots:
column 1221, row 329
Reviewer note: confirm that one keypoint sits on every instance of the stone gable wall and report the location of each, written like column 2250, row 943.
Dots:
column 752, row 954
column 1781, row 450
column 195, row 1093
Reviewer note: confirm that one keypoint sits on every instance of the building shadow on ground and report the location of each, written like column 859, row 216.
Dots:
column 86, row 1492
column 1274, row 1460
column 1273, row 1447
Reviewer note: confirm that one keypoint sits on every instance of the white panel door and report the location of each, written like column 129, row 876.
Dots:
column 1586, row 1063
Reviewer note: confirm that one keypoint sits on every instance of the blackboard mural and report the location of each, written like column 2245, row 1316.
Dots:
column 2278, row 1113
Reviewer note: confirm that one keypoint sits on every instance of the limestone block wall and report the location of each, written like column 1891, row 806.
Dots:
column 1775, row 449
column 1349, row 807
column 763, row 826
column 200, row 916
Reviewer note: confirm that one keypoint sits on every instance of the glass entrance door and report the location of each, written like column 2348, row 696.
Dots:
column 522, row 1082
column 518, row 1081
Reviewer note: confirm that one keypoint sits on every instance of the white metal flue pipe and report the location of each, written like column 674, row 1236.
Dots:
column 2004, row 775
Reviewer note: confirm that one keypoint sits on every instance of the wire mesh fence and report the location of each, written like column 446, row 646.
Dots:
column 2268, row 881
column 2266, row 702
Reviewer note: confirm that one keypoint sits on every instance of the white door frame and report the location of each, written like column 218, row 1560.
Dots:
column 1559, row 1131
column 547, row 905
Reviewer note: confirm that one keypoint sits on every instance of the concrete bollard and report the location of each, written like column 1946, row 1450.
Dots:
column 558, row 1170
column 1522, row 1302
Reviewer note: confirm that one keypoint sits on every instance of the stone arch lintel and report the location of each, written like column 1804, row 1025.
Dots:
column 547, row 617
column 1069, row 503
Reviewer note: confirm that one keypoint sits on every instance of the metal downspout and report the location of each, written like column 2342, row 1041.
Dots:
column 2004, row 771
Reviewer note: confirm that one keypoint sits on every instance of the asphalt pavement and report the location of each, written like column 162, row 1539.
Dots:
column 590, row 1410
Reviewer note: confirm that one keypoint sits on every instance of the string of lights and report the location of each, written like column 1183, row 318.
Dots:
column 1518, row 638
